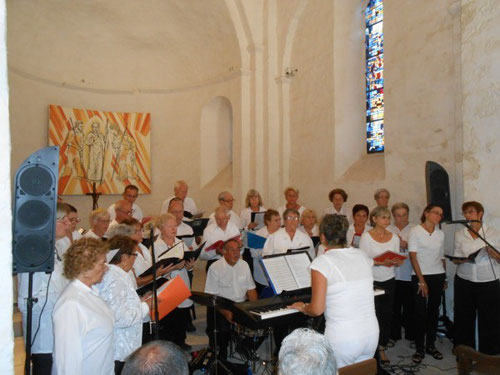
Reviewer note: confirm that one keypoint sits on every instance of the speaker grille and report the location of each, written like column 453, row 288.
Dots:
column 34, row 214
column 33, row 250
column 35, row 181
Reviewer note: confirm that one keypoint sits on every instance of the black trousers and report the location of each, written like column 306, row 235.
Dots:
column 383, row 309
column 427, row 309
column 481, row 300
column 402, row 313
column 173, row 326
column 42, row 363
column 223, row 332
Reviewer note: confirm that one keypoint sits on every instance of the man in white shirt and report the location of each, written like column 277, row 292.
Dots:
column 219, row 231
column 226, row 200
column 180, row 191
column 130, row 194
column 229, row 277
column 123, row 210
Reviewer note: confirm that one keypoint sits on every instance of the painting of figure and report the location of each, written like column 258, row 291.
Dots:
column 100, row 150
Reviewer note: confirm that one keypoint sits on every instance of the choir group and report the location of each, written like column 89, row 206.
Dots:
column 93, row 310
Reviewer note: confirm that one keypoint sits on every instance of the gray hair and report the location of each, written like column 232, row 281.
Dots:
column 97, row 214
column 120, row 230
column 156, row 358
column 306, row 352
column 381, row 190
column 164, row 218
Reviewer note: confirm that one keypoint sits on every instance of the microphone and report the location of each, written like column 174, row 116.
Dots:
column 462, row 221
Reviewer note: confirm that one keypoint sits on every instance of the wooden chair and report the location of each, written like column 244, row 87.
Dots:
column 368, row 367
column 471, row 361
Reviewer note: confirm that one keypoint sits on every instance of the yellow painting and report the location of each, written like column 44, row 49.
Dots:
column 108, row 150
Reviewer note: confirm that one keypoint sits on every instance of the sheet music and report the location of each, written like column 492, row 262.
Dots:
column 258, row 217
column 188, row 241
column 279, row 273
column 299, row 264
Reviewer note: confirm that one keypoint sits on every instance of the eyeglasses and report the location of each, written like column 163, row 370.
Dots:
column 440, row 214
column 292, row 218
column 134, row 254
column 130, row 212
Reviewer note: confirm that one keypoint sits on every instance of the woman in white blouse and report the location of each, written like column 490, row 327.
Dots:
column 338, row 197
column 374, row 243
column 272, row 220
column 289, row 238
column 426, row 248
column 477, row 286
column 360, row 215
column 253, row 203
column 173, row 326
column 83, row 321
column 308, row 221
column 118, row 291
column 99, row 223
column 291, row 197
column 342, row 288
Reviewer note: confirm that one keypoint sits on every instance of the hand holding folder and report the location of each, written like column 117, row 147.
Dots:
column 390, row 258
column 171, row 295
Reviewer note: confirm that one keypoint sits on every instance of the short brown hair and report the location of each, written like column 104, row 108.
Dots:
column 428, row 209
column 82, row 256
column 125, row 244
column 476, row 205
column 269, row 215
column 338, row 191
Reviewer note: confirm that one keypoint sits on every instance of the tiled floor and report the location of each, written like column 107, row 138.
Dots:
column 400, row 355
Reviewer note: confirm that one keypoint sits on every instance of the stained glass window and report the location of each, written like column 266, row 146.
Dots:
column 374, row 17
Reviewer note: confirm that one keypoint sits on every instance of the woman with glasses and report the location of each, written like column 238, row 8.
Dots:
column 477, row 286
column 426, row 249
column 118, row 291
column 288, row 238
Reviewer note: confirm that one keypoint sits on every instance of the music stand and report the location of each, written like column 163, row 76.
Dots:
column 213, row 301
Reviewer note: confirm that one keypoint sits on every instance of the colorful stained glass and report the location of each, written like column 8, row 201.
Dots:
column 374, row 17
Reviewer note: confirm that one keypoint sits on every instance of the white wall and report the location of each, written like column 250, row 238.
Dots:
column 6, row 329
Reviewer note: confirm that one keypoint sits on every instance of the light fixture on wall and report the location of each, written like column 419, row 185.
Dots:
column 290, row 73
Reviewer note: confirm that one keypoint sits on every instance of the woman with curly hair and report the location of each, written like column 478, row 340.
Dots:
column 83, row 322
column 118, row 290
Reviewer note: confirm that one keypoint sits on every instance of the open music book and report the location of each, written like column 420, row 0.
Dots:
column 287, row 272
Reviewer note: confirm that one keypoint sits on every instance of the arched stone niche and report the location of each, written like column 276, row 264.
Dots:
column 216, row 138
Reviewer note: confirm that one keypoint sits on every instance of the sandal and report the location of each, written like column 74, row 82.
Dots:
column 386, row 361
column 436, row 354
column 418, row 356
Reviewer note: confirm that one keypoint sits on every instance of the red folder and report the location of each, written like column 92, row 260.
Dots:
column 171, row 295
column 218, row 245
column 389, row 255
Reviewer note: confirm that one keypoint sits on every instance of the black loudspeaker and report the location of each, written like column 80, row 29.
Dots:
column 438, row 187
column 35, row 206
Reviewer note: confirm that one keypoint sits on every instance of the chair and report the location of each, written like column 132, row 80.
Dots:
column 368, row 367
column 471, row 361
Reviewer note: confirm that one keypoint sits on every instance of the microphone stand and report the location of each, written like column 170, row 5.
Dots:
column 156, row 333
column 481, row 237
column 30, row 300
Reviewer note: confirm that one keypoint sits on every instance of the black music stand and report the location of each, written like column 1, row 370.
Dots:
column 212, row 301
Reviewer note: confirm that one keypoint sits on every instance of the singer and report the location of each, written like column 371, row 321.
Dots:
column 477, row 286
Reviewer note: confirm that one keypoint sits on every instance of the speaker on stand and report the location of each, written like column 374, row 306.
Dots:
column 33, row 225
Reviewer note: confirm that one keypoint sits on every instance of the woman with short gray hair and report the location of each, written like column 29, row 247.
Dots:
column 342, row 288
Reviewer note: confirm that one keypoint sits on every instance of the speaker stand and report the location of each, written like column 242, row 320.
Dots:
column 29, row 302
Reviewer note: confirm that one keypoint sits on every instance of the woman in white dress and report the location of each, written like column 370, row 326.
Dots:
column 374, row 243
column 342, row 288
column 118, row 290
column 83, row 321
